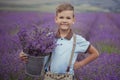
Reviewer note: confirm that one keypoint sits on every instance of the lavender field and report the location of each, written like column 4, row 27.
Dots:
column 101, row 29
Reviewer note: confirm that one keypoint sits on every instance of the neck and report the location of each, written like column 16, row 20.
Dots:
column 64, row 33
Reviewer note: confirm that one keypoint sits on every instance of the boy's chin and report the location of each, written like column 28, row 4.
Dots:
column 65, row 29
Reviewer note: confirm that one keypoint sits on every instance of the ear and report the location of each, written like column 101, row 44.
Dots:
column 73, row 20
column 55, row 19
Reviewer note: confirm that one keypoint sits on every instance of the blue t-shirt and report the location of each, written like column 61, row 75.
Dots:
column 61, row 55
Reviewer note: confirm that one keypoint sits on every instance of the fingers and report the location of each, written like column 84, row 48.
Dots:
column 77, row 65
column 23, row 57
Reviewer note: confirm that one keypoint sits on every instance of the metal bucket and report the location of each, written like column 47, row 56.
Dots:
column 34, row 66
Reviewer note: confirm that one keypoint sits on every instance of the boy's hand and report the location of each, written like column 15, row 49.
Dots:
column 77, row 65
column 23, row 56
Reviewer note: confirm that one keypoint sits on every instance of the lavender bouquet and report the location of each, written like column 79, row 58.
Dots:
column 37, row 40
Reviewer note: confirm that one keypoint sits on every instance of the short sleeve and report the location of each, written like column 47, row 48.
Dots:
column 82, row 44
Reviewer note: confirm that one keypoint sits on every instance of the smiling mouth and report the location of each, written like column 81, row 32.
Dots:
column 65, row 24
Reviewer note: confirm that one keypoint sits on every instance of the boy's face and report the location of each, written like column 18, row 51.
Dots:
column 65, row 19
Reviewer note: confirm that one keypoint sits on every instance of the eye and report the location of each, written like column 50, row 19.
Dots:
column 68, row 18
column 61, row 17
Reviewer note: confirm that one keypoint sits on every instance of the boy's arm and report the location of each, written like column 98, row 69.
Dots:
column 93, row 55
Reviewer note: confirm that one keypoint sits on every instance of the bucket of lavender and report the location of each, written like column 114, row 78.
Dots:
column 37, row 42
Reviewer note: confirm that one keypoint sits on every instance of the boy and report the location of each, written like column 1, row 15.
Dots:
column 61, row 55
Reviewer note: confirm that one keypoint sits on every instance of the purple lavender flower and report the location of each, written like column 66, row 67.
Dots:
column 36, row 40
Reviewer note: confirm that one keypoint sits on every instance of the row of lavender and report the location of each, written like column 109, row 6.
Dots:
column 101, row 29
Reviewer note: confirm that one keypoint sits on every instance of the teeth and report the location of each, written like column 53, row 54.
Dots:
column 64, row 24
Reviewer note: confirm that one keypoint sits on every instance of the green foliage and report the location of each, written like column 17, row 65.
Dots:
column 13, row 76
column 28, row 78
column 107, row 48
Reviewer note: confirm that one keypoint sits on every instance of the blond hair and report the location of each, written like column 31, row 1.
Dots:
column 63, row 7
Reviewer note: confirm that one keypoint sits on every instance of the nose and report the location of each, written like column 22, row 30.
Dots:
column 64, row 20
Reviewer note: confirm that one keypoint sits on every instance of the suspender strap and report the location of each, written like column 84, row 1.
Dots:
column 72, row 53
column 48, row 62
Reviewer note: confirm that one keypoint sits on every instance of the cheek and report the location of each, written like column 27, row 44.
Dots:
column 57, row 22
column 71, row 22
